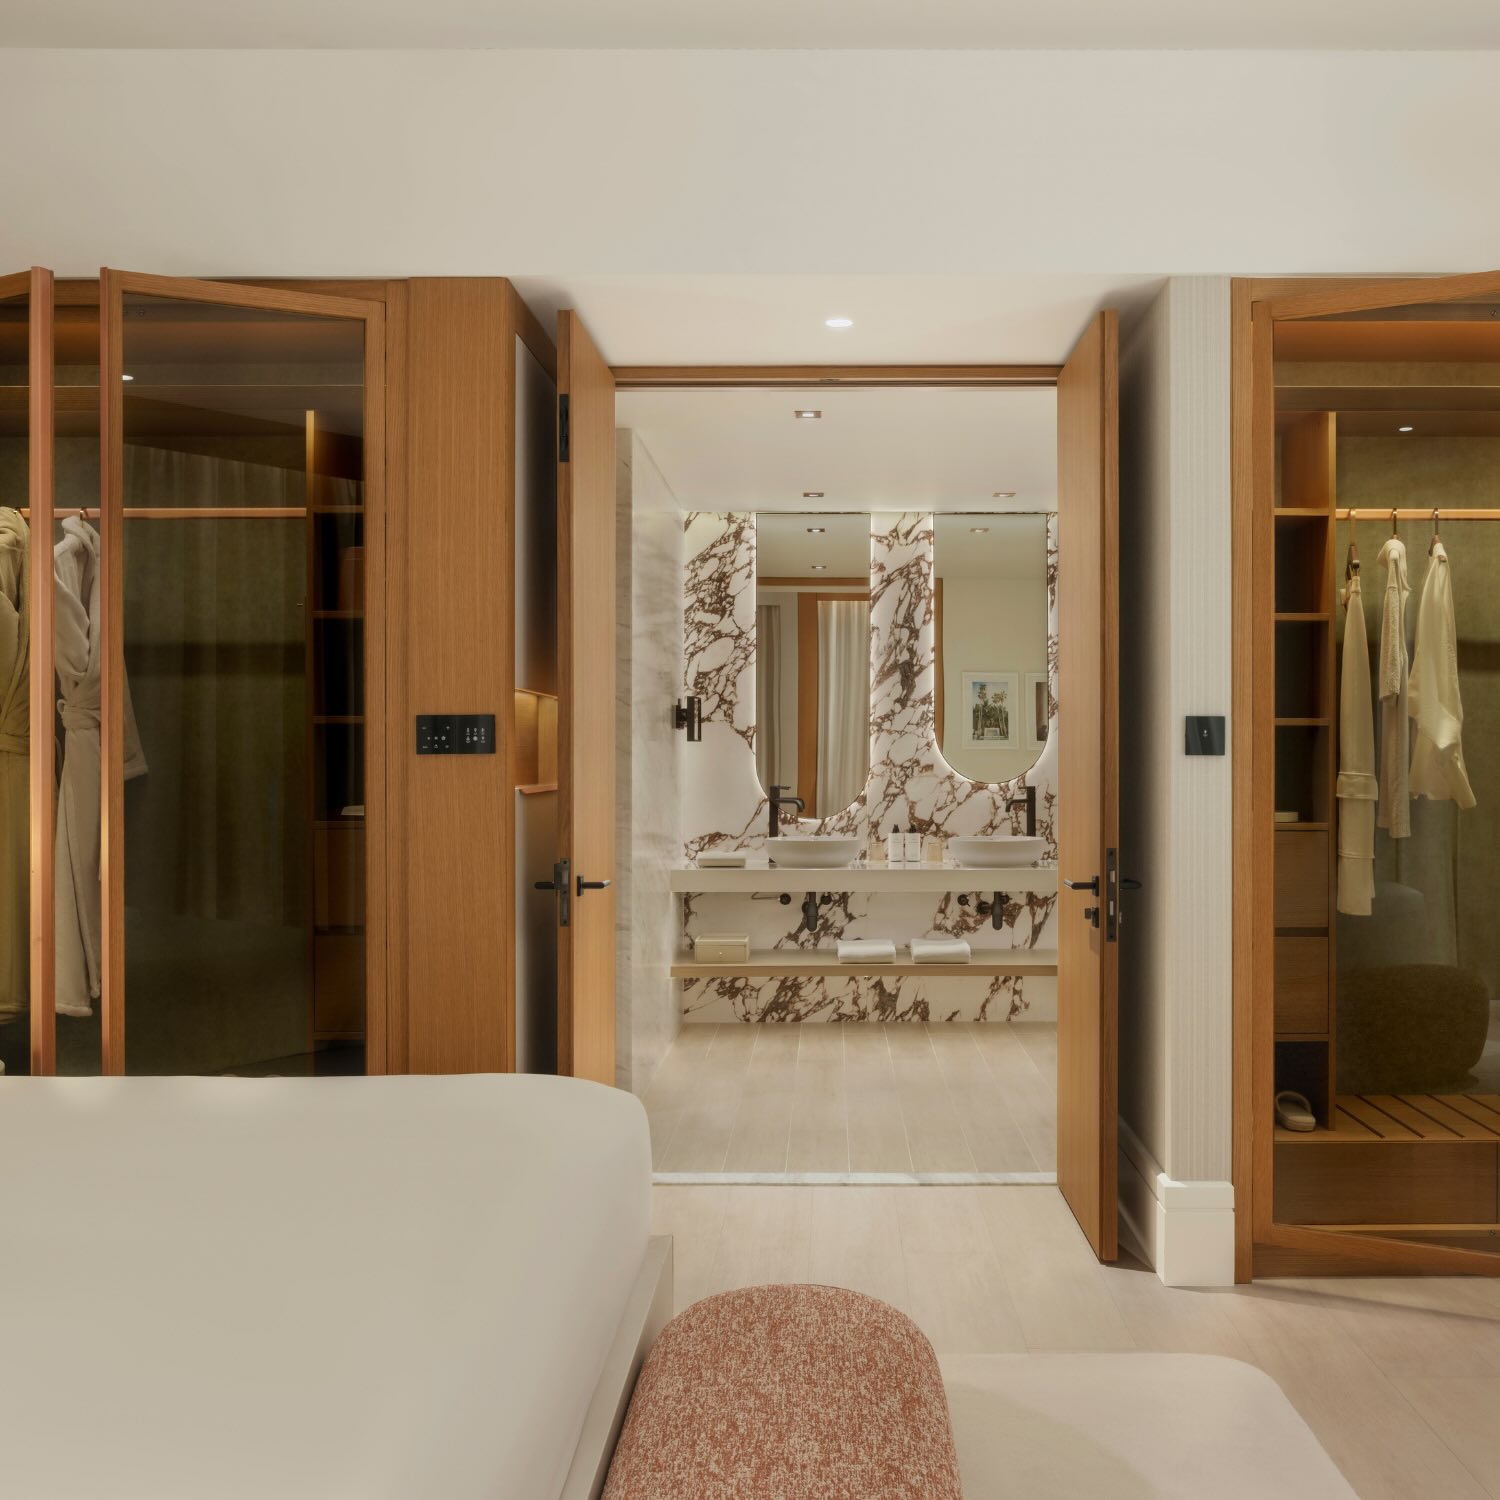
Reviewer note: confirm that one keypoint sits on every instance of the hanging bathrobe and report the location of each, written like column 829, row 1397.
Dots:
column 15, row 766
column 76, row 565
column 1395, row 727
column 1437, row 756
column 1357, row 789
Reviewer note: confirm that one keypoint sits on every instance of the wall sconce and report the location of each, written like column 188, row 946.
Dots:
column 689, row 716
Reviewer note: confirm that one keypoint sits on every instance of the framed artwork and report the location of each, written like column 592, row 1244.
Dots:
column 1038, row 706
column 991, row 711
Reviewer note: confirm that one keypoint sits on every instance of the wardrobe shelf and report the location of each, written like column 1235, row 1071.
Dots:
column 1302, row 513
column 985, row 964
column 1309, row 827
column 1301, row 723
column 1302, row 617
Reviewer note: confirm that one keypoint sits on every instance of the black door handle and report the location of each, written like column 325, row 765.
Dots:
column 591, row 885
column 563, row 887
column 1127, row 884
column 1091, row 886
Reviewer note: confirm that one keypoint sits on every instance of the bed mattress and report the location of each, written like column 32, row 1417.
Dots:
column 309, row 1287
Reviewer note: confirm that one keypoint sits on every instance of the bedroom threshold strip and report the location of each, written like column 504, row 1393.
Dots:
column 854, row 1179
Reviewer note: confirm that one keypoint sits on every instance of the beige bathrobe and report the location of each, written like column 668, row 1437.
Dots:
column 1357, row 788
column 1437, row 757
column 75, row 562
column 15, row 767
column 1395, row 726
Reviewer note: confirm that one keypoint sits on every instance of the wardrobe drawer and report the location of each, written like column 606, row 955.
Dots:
column 1301, row 986
column 1302, row 879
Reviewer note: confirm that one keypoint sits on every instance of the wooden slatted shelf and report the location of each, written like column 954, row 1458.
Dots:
column 1367, row 1118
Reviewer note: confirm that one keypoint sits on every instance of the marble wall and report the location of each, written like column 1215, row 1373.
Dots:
column 722, row 804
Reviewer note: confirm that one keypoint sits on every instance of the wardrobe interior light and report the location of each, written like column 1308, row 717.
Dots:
column 838, row 322
column 979, row 531
column 805, row 414
column 820, row 567
column 1003, row 495
column 816, row 530
column 127, row 377
column 1405, row 429
column 812, row 494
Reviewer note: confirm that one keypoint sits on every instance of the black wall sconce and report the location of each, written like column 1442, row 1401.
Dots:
column 689, row 716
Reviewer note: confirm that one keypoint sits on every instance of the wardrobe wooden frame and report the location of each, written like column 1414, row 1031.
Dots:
column 1261, row 1245
column 114, row 287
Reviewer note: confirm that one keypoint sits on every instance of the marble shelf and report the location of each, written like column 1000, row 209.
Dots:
column 986, row 963
column 871, row 879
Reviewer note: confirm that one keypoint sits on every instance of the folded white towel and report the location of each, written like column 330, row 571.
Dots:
column 939, row 951
column 722, row 859
column 867, row 951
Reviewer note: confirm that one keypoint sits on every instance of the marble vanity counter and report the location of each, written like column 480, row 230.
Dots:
column 870, row 878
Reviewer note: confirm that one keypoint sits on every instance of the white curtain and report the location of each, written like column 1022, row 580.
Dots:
column 768, row 695
column 843, row 703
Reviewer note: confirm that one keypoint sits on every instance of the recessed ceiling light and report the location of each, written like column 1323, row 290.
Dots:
column 806, row 414
column 979, row 531
column 127, row 377
column 1404, row 429
column 820, row 567
column 816, row 530
column 838, row 322
column 1003, row 495
column 812, row 494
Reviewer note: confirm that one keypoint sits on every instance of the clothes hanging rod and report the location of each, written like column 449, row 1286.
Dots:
column 186, row 513
column 1419, row 513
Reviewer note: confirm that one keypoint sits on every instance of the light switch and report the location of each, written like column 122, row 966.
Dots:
column 455, row 734
column 1205, row 734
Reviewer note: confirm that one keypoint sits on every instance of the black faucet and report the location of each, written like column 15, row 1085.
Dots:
column 777, row 803
column 1028, row 800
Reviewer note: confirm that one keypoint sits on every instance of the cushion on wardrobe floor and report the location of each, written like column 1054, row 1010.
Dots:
column 797, row 1392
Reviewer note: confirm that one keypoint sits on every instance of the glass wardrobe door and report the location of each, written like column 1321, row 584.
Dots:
column 238, row 695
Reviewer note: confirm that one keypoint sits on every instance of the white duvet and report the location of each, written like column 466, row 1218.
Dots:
column 226, row 1288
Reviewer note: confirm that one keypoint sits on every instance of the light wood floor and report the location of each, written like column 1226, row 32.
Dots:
column 1399, row 1378
column 827, row 1097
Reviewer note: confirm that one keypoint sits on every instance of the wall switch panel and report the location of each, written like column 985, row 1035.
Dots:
column 1205, row 734
column 455, row 734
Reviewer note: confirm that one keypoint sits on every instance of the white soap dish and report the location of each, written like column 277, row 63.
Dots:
column 722, row 859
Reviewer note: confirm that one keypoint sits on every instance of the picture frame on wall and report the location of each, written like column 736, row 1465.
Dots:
column 992, row 711
column 1038, row 707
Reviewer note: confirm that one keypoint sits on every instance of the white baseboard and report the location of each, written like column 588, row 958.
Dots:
column 1184, row 1230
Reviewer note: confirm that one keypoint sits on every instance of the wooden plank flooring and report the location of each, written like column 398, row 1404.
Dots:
column 857, row 1098
column 1398, row 1378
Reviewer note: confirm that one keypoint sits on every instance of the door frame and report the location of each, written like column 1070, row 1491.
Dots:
column 112, row 287
column 1256, row 305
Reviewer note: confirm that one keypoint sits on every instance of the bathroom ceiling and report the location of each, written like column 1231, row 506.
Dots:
column 754, row 23
column 915, row 449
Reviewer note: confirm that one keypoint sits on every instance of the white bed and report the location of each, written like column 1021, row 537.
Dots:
column 320, row 1287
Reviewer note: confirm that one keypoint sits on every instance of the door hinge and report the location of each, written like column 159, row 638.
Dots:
column 564, row 430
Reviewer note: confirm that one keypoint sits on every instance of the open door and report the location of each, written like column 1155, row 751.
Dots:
column 1089, row 774
column 585, row 868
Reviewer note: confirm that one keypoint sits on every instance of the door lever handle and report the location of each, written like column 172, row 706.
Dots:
column 1091, row 886
column 591, row 885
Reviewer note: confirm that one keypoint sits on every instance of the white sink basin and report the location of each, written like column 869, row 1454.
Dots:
column 801, row 851
column 1006, row 851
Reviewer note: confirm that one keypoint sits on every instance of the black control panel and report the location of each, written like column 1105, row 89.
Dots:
column 455, row 734
column 1204, row 734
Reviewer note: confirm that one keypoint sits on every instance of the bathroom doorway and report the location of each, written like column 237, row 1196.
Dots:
column 840, row 619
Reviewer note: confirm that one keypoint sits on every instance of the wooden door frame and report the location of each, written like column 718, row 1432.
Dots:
column 112, row 288
column 1255, row 305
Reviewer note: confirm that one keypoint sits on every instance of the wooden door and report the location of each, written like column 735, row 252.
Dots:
column 586, row 706
column 1088, row 790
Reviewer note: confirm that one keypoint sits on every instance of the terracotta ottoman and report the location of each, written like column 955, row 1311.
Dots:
column 787, row 1393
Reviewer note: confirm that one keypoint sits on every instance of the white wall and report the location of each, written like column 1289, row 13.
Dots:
column 648, row 839
column 1176, row 979
column 325, row 162
column 990, row 624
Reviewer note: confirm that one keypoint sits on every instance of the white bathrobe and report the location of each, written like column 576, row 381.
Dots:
column 1437, row 757
column 76, row 887
column 1395, row 727
column 1357, row 788
column 15, row 766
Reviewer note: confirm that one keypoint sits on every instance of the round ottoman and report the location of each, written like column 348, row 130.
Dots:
column 1409, row 1029
column 787, row 1393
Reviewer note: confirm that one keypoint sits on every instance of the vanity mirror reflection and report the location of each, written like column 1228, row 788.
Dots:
column 990, row 619
column 812, row 631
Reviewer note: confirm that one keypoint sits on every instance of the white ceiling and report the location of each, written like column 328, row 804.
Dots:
column 752, row 23
column 964, row 546
column 941, row 450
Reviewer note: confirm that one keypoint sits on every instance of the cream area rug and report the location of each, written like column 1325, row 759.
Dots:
column 1130, row 1427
